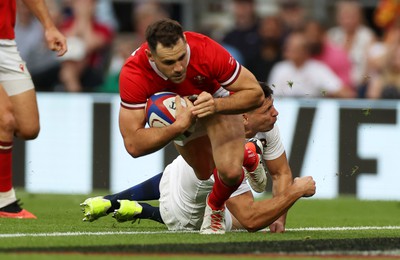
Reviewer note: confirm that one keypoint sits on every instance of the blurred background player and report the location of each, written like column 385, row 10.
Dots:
column 19, row 114
column 43, row 64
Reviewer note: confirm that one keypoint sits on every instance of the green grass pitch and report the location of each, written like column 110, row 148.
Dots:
column 316, row 229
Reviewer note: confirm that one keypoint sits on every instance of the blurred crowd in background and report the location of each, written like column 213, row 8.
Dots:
column 352, row 53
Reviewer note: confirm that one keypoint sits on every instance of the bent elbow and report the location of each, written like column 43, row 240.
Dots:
column 252, row 228
column 250, row 225
column 135, row 153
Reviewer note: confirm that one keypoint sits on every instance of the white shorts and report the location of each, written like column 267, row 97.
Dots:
column 14, row 75
column 183, row 197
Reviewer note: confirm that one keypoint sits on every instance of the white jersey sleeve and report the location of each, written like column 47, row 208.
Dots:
column 274, row 147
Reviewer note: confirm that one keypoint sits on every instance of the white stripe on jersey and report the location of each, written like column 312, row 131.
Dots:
column 133, row 106
column 5, row 147
column 229, row 81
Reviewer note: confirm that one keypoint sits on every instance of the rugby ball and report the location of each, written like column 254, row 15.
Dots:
column 161, row 108
column 160, row 111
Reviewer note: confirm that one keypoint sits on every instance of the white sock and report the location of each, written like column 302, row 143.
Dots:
column 7, row 197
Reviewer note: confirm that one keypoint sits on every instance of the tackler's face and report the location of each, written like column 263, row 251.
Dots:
column 172, row 61
column 261, row 119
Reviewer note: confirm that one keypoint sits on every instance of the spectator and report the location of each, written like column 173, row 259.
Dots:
column 386, row 84
column 43, row 63
column 387, row 18
column 292, row 15
column 244, row 37
column 84, row 66
column 322, row 49
column 300, row 75
column 387, row 13
column 356, row 38
column 271, row 34
column 104, row 14
column 143, row 14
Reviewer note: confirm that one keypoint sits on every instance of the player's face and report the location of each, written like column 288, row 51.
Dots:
column 263, row 118
column 172, row 62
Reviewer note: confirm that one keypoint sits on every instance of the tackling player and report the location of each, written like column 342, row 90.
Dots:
column 19, row 114
column 189, row 63
column 183, row 197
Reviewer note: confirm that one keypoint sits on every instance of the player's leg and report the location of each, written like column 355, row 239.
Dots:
column 18, row 116
column 125, row 206
column 131, row 210
column 198, row 154
column 96, row 207
column 7, row 126
column 147, row 190
column 226, row 134
column 26, row 114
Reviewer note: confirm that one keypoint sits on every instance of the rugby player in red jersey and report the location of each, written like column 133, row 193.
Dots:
column 19, row 114
column 188, row 64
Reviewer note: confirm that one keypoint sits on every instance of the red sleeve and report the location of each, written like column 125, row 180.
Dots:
column 223, row 67
column 132, row 83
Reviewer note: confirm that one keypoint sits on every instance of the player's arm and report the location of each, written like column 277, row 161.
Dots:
column 282, row 178
column 247, row 96
column 55, row 40
column 139, row 140
column 255, row 215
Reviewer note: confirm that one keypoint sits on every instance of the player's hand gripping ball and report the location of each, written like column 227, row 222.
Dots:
column 161, row 109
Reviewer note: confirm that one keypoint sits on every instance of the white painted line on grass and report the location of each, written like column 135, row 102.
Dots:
column 342, row 228
column 67, row 234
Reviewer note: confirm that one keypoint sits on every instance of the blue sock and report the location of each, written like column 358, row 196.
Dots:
column 147, row 190
column 150, row 212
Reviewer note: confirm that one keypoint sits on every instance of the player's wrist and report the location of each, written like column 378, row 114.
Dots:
column 217, row 105
column 178, row 129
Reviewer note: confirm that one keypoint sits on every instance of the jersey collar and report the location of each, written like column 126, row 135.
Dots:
column 159, row 73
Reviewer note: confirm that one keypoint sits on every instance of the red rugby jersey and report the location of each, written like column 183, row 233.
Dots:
column 7, row 20
column 210, row 67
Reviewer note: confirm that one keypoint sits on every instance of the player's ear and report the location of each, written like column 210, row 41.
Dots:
column 149, row 54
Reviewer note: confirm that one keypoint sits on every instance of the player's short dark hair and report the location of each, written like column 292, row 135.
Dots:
column 266, row 89
column 164, row 31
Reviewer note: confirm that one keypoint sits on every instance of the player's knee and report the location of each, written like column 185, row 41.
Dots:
column 231, row 175
column 28, row 132
column 7, row 120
